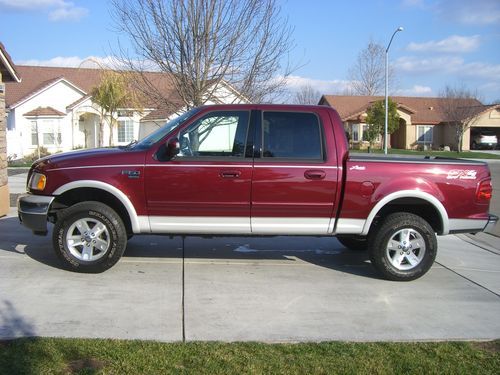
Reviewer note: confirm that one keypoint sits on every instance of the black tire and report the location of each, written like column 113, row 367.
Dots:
column 356, row 243
column 412, row 250
column 99, row 229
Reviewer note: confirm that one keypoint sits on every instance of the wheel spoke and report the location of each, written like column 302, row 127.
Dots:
column 416, row 244
column 397, row 259
column 101, row 244
column 87, row 253
column 393, row 245
column 99, row 228
column 75, row 241
column 82, row 226
column 405, row 236
column 413, row 259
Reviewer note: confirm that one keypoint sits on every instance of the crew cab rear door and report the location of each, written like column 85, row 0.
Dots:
column 295, row 175
column 206, row 187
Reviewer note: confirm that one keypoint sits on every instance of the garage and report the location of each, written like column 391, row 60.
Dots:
column 484, row 130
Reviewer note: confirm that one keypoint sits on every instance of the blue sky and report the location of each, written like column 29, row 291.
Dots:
column 454, row 42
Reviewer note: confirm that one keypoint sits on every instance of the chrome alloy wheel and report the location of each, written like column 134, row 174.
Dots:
column 405, row 249
column 88, row 239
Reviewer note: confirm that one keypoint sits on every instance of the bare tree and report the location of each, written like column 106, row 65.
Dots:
column 368, row 72
column 460, row 106
column 203, row 44
column 306, row 95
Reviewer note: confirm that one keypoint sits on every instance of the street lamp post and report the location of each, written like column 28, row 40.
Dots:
column 387, row 87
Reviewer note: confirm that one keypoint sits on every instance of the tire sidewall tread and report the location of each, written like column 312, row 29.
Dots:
column 102, row 213
column 379, row 238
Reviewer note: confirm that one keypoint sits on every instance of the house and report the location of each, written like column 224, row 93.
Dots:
column 52, row 107
column 8, row 73
column 423, row 121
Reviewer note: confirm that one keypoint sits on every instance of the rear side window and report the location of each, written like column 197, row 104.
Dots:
column 291, row 135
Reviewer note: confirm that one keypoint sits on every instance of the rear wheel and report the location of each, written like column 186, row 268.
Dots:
column 356, row 243
column 89, row 237
column 403, row 247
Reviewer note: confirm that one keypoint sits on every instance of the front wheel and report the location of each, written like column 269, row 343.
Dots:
column 403, row 247
column 89, row 237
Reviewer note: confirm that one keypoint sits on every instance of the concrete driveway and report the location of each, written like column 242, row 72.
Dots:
column 241, row 289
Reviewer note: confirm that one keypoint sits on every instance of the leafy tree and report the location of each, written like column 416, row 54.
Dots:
column 376, row 119
column 112, row 93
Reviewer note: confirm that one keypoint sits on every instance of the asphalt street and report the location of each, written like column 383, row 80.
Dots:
column 281, row 289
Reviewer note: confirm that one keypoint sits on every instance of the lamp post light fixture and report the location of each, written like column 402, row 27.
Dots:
column 387, row 87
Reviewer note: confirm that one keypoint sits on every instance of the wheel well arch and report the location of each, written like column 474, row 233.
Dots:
column 85, row 194
column 416, row 206
column 419, row 203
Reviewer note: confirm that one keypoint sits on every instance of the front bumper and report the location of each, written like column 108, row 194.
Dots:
column 33, row 212
column 491, row 223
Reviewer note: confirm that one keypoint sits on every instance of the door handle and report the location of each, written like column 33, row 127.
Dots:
column 314, row 174
column 230, row 174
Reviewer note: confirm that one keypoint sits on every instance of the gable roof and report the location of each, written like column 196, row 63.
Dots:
column 37, row 78
column 44, row 111
column 42, row 87
column 423, row 110
column 7, row 67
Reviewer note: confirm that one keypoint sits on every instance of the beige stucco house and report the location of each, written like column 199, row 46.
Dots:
column 8, row 73
column 423, row 121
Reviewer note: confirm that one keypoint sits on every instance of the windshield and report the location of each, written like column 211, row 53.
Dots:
column 165, row 129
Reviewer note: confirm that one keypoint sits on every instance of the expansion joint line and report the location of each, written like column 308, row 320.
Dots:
column 183, row 289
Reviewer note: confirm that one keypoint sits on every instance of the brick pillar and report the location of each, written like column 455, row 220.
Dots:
column 4, row 189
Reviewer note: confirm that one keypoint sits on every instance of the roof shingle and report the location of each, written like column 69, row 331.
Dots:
column 425, row 110
column 44, row 111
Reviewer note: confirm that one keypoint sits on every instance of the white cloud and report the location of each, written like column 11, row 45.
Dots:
column 294, row 83
column 58, row 10
column 477, row 12
column 411, row 64
column 416, row 90
column 448, row 65
column 74, row 61
column 452, row 44
column 68, row 14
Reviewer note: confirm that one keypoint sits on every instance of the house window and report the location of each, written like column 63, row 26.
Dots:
column 34, row 134
column 125, row 130
column 365, row 133
column 51, row 134
column 424, row 133
column 355, row 132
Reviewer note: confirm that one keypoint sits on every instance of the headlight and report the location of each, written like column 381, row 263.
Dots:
column 37, row 181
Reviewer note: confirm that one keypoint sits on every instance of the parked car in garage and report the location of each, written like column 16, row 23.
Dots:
column 484, row 139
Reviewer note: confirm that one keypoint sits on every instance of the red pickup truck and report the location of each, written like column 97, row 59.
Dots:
column 254, row 170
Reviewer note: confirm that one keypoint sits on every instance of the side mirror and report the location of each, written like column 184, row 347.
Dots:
column 173, row 147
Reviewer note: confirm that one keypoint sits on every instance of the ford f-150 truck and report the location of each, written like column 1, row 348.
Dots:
column 259, row 170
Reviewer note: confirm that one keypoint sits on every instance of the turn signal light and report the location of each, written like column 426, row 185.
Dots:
column 38, row 181
column 484, row 191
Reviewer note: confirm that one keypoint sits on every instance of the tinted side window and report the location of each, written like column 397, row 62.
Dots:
column 216, row 134
column 291, row 135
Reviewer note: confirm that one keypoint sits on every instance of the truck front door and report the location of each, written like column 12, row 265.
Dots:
column 206, row 187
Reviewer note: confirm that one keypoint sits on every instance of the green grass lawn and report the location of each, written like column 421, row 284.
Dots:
column 444, row 154
column 70, row 356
